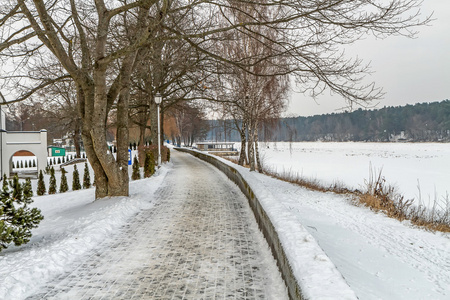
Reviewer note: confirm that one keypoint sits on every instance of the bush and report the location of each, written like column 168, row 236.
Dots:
column 16, row 218
column 136, row 173
column 64, row 187
column 27, row 189
column 165, row 155
column 86, row 177
column 41, row 189
column 75, row 179
column 149, row 165
column 52, row 185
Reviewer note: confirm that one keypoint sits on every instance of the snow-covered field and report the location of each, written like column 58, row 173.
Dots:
column 419, row 171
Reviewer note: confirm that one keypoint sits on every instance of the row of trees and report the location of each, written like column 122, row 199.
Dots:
column 111, row 58
column 63, row 186
column 424, row 122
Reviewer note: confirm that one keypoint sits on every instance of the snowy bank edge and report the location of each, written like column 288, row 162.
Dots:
column 306, row 269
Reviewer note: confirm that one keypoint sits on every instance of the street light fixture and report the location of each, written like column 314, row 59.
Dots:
column 158, row 100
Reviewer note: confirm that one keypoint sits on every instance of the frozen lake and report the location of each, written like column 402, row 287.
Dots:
column 419, row 171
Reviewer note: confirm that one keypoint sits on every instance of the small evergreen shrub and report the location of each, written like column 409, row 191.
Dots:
column 136, row 174
column 86, row 177
column 34, row 163
column 16, row 218
column 75, row 179
column 59, row 160
column 149, row 165
column 41, row 189
column 63, row 187
column 21, row 164
column 27, row 188
column 26, row 164
column 52, row 184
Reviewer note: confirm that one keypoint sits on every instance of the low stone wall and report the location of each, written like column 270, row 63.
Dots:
column 264, row 222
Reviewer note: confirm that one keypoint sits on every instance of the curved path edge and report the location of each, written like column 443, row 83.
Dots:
column 299, row 287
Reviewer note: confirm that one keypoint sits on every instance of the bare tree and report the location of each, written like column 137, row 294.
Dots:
column 97, row 42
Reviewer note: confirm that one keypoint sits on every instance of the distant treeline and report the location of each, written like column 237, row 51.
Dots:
column 424, row 122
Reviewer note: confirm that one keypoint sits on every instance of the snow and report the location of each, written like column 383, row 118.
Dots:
column 73, row 225
column 379, row 257
column 325, row 235
column 417, row 170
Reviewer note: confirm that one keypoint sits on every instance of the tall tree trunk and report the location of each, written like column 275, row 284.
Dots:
column 77, row 139
column 141, row 154
column 256, row 141
column 153, row 123
column 251, row 146
column 243, row 153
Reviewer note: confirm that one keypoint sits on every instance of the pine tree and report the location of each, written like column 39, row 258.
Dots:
column 21, row 164
column 34, row 163
column 136, row 173
column 75, row 179
column 86, row 177
column 41, row 189
column 27, row 189
column 52, row 185
column 16, row 218
column 12, row 165
column 149, row 165
column 64, row 187
column 59, row 160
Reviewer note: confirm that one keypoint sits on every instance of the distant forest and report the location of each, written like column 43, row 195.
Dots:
column 422, row 122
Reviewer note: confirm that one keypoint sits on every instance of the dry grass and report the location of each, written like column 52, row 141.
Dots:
column 379, row 196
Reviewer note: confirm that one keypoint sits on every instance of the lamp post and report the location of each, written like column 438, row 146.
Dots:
column 158, row 100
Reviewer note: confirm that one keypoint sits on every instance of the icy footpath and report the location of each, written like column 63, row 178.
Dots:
column 71, row 228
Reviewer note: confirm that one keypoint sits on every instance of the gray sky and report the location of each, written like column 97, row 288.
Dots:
column 408, row 70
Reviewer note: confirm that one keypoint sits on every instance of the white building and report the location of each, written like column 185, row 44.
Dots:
column 14, row 141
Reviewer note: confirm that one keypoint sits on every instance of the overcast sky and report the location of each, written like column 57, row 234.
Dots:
column 409, row 70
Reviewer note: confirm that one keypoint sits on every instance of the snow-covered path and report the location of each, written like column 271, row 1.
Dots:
column 199, row 240
column 380, row 258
